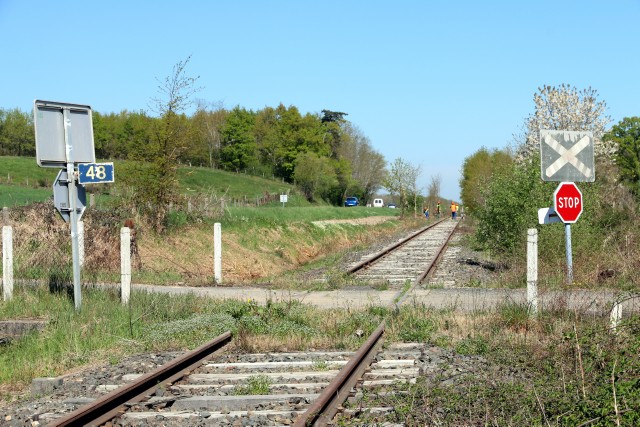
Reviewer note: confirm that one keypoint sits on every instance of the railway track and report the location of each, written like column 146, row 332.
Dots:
column 409, row 260
column 206, row 387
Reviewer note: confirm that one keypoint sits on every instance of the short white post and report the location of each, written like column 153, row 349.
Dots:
column 92, row 200
column 5, row 215
column 125, row 264
column 616, row 316
column 7, row 262
column 532, row 270
column 217, row 252
column 81, row 242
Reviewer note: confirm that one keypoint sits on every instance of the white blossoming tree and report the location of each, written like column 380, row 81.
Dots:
column 564, row 108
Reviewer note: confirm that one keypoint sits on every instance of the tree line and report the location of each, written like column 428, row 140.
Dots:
column 325, row 154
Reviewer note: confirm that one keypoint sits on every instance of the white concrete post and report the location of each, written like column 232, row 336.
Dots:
column 81, row 242
column 125, row 264
column 92, row 200
column 5, row 215
column 7, row 262
column 532, row 270
column 616, row 316
column 217, row 252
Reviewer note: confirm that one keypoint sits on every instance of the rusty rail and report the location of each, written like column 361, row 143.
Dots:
column 385, row 251
column 111, row 405
column 325, row 407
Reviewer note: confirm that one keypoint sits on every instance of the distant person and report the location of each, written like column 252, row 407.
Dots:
column 438, row 209
column 453, row 210
column 425, row 211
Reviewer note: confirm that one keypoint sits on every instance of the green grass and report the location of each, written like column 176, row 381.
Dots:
column 13, row 195
column 23, row 181
column 104, row 329
column 194, row 180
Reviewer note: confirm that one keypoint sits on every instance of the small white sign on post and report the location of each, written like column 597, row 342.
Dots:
column 547, row 216
column 284, row 199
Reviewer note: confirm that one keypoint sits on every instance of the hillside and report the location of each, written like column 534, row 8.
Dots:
column 23, row 181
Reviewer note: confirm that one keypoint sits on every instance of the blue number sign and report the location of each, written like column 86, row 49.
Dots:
column 94, row 173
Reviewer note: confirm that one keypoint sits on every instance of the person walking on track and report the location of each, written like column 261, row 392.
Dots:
column 453, row 210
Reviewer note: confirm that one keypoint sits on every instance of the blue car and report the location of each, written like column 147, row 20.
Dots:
column 351, row 201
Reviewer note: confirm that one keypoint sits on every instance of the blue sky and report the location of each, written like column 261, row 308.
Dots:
column 429, row 82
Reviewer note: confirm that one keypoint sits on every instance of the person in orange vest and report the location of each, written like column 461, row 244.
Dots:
column 453, row 210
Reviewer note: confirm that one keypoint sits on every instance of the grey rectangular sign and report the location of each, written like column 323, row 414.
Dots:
column 49, row 124
column 567, row 156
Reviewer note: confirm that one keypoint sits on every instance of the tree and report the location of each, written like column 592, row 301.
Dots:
column 207, row 125
column 17, row 137
column 564, row 108
column 477, row 171
column 314, row 175
column 368, row 167
column 401, row 180
column 433, row 190
column 155, row 184
column 238, row 148
column 626, row 134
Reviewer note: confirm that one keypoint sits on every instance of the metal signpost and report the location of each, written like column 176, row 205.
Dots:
column 64, row 139
column 284, row 198
column 567, row 202
column 566, row 157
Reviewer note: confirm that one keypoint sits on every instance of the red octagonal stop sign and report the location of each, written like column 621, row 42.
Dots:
column 567, row 202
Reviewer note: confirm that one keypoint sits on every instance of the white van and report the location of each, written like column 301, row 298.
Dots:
column 378, row 203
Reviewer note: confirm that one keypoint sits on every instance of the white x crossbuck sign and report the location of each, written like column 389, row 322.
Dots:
column 565, row 149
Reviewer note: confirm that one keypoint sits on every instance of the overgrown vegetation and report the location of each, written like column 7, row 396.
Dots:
column 505, row 191
column 509, row 369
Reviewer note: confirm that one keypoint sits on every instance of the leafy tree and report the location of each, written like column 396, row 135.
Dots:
column 564, row 108
column 477, row 171
column 17, row 136
column 368, row 167
column 401, row 181
column 329, row 116
column 314, row 175
column 238, row 148
column 626, row 134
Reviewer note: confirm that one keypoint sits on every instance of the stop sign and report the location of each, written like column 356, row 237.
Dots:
column 567, row 202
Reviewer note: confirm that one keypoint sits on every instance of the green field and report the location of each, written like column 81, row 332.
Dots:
column 22, row 181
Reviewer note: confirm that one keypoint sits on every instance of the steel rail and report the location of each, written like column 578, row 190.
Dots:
column 401, row 296
column 385, row 251
column 325, row 407
column 111, row 405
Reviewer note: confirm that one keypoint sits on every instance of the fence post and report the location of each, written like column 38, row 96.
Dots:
column 81, row 242
column 532, row 270
column 7, row 262
column 125, row 264
column 616, row 316
column 217, row 252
